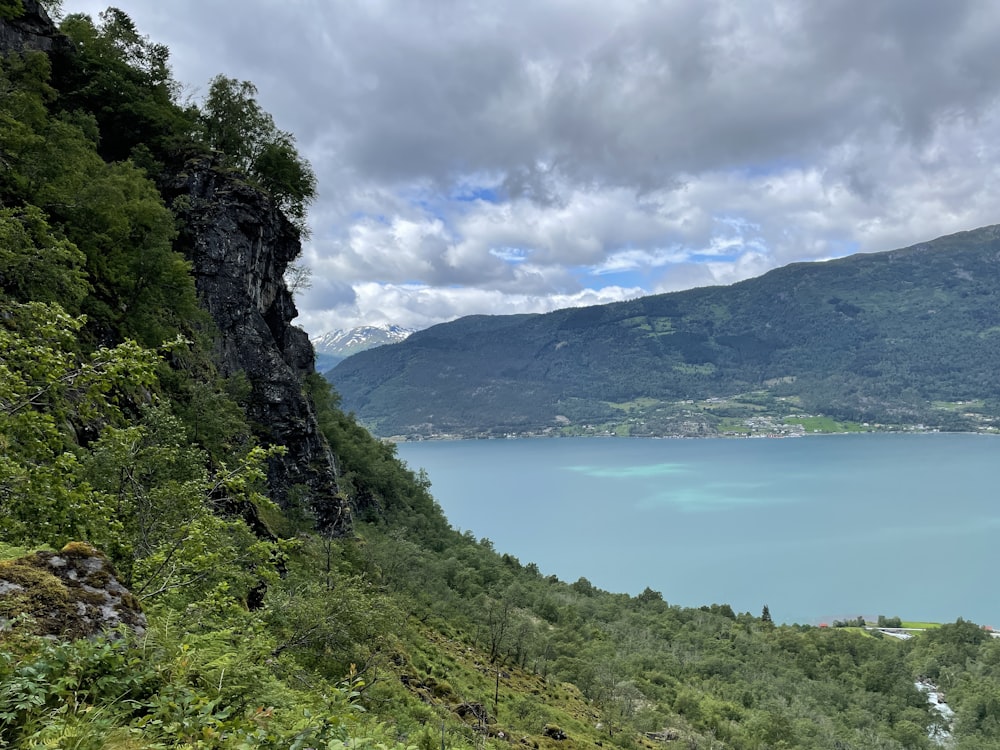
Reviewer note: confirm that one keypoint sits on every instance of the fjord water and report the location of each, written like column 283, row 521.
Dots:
column 818, row 528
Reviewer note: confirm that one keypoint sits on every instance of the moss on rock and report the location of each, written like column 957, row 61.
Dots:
column 73, row 593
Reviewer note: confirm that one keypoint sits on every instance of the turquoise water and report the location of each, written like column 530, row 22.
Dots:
column 817, row 528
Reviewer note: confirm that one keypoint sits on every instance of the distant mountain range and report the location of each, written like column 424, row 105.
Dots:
column 908, row 337
column 334, row 346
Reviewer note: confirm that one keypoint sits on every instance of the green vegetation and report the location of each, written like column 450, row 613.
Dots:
column 116, row 428
column 883, row 341
column 236, row 125
column 823, row 424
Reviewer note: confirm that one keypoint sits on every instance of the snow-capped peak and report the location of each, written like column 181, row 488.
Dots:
column 344, row 343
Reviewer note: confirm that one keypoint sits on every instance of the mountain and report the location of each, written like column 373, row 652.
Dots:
column 299, row 586
column 335, row 346
column 906, row 337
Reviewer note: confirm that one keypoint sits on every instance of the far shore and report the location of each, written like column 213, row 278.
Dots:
column 417, row 438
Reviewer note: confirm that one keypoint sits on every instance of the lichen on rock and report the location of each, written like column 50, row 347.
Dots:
column 73, row 593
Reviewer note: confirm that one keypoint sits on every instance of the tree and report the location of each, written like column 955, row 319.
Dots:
column 765, row 616
column 123, row 80
column 10, row 9
column 235, row 124
column 498, row 626
column 48, row 388
column 37, row 266
column 112, row 213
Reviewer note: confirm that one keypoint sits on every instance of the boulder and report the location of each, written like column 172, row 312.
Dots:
column 73, row 593
column 553, row 732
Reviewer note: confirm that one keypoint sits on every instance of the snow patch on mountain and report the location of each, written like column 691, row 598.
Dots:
column 334, row 346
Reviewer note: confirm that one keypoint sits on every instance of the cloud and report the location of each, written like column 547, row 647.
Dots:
column 478, row 158
column 422, row 305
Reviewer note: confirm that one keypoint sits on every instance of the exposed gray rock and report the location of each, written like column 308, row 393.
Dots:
column 74, row 593
column 240, row 245
column 32, row 31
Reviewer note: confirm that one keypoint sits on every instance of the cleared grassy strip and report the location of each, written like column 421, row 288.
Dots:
column 824, row 424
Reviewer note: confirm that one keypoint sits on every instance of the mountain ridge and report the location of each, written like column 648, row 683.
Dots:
column 335, row 346
column 873, row 337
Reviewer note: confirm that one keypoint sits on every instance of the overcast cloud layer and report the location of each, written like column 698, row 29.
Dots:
column 503, row 157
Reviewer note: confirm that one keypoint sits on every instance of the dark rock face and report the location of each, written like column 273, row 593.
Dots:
column 240, row 246
column 32, row 31
column 73, row 593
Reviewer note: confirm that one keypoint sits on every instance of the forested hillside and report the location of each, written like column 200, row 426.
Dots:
column 900, row 338
column 284, row 607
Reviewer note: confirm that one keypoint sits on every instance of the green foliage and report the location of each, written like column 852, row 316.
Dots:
column 37, row 266
column 122, row 79
column 138, row 286
column 174, row 688
column 385, row 639
column 11, row 9
column 160, row 494
column 46, row 387
column 872, row 338
column 378, row 484
column 235, row 124
column 141, row 286
column 53, row 689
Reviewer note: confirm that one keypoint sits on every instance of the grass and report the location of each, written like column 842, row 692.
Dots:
column 731, row 424
column 921, row 625
column 959, row 406
column 444, row 672
column 639, row 404
column 824, row 424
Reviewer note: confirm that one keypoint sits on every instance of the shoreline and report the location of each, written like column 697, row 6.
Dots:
column 450, row 437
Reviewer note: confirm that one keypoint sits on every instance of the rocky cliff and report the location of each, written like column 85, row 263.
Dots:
column 240, row 245
column 33, row 30
column 73, row 593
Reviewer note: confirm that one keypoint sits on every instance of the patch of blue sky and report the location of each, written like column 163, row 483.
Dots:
column 628, row 267
column 731, row 246
column 591, row 277
column 769, row 168
column 511, row 254
column 426, row 198
column 477, row 187
column 630, row 278
column 475, row 194
column 737, row 223
column 631, row 472
column 358, row 216
column 715, row 257
column 842, row 248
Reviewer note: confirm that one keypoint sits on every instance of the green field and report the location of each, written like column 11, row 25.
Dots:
column 825, row 424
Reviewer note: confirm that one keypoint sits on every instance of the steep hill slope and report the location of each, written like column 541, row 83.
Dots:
column 877, row 337
column 265, row 627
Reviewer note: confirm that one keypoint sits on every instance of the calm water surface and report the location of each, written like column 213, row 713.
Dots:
column 818, row 528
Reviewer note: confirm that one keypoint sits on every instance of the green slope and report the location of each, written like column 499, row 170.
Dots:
column 264, row 634
column 868, row 338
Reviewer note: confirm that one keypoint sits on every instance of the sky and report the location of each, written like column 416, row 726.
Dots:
column 482, row 157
